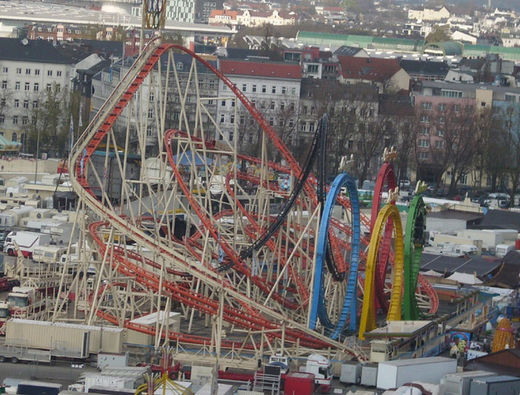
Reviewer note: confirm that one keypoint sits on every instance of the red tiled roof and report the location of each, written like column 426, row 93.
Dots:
column 370, row 69
column 232, row 14
column 261, row 69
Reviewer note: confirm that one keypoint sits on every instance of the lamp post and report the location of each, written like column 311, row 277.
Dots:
column 37, row 155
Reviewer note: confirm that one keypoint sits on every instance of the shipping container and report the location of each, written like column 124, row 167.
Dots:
column 495, row 385
column 64, row 336
column 369, row 374
column 350, row 372
column 28, row 387
column 98, row 380
column 392, row 374
column 459, row 383
column 299, row 383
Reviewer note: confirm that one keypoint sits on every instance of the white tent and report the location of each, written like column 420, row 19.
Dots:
column 465, row 278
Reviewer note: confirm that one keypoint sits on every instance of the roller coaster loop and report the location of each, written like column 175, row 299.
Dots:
column 368, row 312
column 413, row 247
column 349, row 309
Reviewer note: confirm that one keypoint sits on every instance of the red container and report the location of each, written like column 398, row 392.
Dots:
column 517, row 244
column 299, row 383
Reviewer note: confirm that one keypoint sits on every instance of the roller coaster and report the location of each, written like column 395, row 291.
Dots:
column 194, row 228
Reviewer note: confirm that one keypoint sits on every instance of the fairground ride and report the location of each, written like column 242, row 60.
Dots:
column 193, row 228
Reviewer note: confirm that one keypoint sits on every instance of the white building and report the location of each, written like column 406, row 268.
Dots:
column 274, row 88
column 429, row 14
column 28, row 69
column 180, row 10
column 252, row 18
column 464, row 37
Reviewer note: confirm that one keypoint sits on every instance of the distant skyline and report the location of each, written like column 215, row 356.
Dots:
column 510, row 4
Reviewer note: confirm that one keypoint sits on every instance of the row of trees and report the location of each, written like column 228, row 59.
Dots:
column 460, row 144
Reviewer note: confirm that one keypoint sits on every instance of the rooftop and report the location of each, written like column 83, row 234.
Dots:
column 479, row 265
column 372, row 69
column 261, row 69
column 33, row 11
column 425, row 67
column 39, row 51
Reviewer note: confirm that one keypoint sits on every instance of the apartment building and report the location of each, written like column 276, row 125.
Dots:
column 274, row 88
column 28, row 70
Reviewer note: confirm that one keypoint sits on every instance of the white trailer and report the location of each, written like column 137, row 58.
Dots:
column 459, row 383
column 393, row 374
column 13, row 217
column 48, row 254
column 26, row 241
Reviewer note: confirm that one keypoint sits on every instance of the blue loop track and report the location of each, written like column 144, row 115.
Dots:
column 319, row 307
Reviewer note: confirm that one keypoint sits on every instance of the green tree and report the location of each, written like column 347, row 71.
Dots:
column 438, row 34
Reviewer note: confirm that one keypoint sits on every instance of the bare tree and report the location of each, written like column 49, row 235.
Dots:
column 49, row 122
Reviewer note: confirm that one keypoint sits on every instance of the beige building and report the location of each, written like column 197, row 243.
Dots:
column 429, row 14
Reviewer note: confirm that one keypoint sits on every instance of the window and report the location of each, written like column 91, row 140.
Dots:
column 442, row 119
column 282, row 106
column 244, row 87
column 4, row 84
column 17, row 86
column 451, row 93
column 272, row 105
column 27, row 71
column 152, row 97
column 442, row 107
column 36, row 71
column 424, row 143
column 48, row 87
column 423, row 155
column 242, row 119
column 440, row 132
column 293, row 91
column 58, row 89
column 16, row 103
column 25, row 120
column 2, row 118
column 5, row 69
column 231, row 136
column 284, row 90
column 15, row 121
column 291, row 123
column 150, row 113
column 426, row 105
column 149, row 131
column 291, row 106
column 232, row 102
column 26, row 104
column 456, row 107
column 27, row 86
column 264, row 88
column 425, row 119
column 253, row 88
column 222, row 118
column 425, row 130
column 223, row 104
column 271, row 121
column 18, row 70
column 49, row 73
column 273, row 89
column 14, row 137
column 253, row 102
column 439, row 144
column 232, row 118
column 35, row 104
column 312, row 68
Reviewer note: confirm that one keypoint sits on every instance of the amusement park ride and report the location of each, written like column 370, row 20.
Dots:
column 302, row 280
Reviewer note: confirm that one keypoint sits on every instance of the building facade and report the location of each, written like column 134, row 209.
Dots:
column 29, row 69
column 274, row 88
